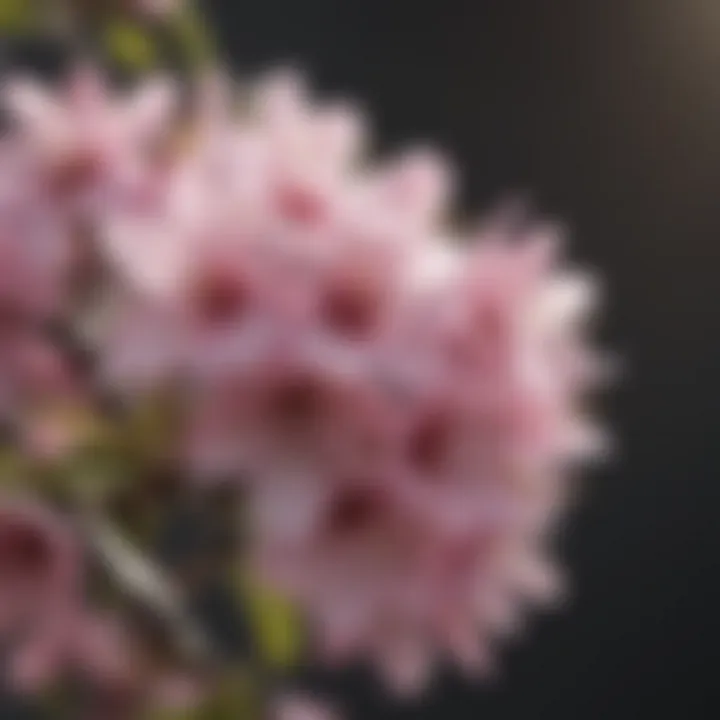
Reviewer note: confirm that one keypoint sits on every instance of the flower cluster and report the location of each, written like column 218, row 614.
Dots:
column 402, row 404
column 48, row 627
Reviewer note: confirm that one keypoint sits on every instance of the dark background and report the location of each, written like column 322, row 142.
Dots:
column 608, row 113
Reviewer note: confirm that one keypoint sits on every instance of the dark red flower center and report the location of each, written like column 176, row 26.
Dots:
column 297, row 400
column 74, row 173
column 23, row 550
column 220, row 297
column 350, row 310
column 354, row 510
column 429, row 443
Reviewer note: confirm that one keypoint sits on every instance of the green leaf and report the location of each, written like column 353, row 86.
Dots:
column 17, row 16
column 13, row 469
column 131, row 45
column 235, row 697
column 277, row 624
column 193, row 36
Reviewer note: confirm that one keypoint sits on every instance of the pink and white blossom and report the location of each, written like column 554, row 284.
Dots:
column 402, row 413
column 40, row 590
column 298, row 706
column 401, row 403
column 86, row 142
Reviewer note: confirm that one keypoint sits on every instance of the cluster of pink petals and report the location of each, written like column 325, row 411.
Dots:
column 70, row 155
column 403, row 405
column 84, row 147
column 299, row 706
column 33, row 264
column 46, row 628
column 41, row 617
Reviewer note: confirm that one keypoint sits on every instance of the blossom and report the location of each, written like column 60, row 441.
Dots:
column 34, row 242
column 400, row 402
column 439, row 549
column 84, row 142
column 107, row 653
column 403, row 404
column 40, row 576
column 35, row 286
column 69, row 155
column 51, row 632
column 222, row 261
column 297, row 706
column 248, row 230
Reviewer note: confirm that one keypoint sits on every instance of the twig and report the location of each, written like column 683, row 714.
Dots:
column 146, row 583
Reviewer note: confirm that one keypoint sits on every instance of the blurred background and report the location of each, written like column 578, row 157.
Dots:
column 607, row 114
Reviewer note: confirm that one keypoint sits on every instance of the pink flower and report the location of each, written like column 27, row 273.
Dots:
column 39, row 590
column 85, row 141
column 107, row 652
column 377, row 581
column 431, row 540
column 301, row 707
column 121, row 680
column 34, row 373
column 103, row 653
column 36, row 254
column 35, row 243
column 402, row 411
column 265, row 223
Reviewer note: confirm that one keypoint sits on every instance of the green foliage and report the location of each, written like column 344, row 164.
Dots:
column 13, row 469
column 278, row 627
column 129, row 41
column 131, row 45
column 193, row 37
column 18, row 16
column 149, row 430
column 181, row 41
column 234, row 697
